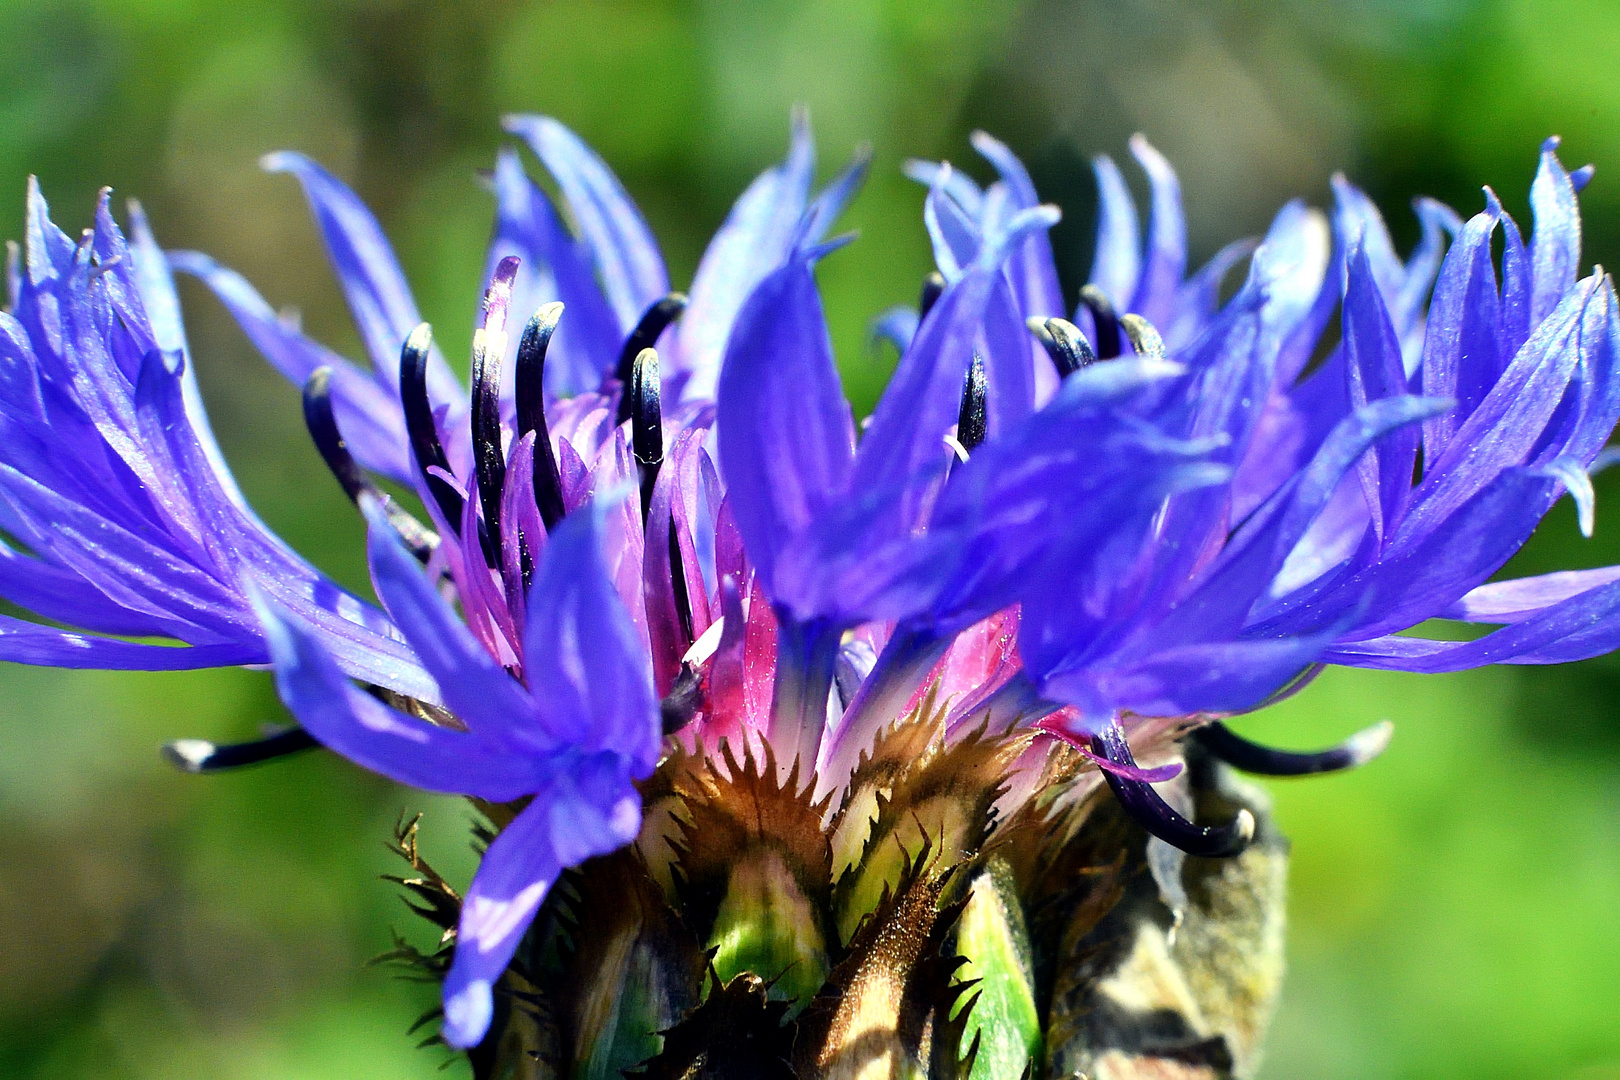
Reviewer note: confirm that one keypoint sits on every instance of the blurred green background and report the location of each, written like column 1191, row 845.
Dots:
column 1455, row 906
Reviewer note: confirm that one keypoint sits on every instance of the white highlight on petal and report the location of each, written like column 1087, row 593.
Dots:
column 486, row 922
column 467, row 1014
column 706, row 644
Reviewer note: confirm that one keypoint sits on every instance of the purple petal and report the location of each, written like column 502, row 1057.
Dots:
column 572, row 819
column 29, row 643
column 627, row 256
column 1576, row 628
column 1519, row 599
column 1514, row 415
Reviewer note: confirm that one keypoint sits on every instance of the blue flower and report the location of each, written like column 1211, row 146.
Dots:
column 568, row 740
column 652, row 525
column 1530, row 358
column 110, row 476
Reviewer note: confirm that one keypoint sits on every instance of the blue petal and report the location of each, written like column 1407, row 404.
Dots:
column 1462, row 355
column 627, row 256
column 958, row 185
column 1116, row 266
column 753, row 241
column 1166, row 263
column 474, row 687
column 896, row 325
column 955, row 236
column 386, row 741
column 1555, row 246
column 378, row 297
column 786, row 436
column 923, row 399
column 569, row 821
column 1372, row 356
column 368, row 414
column 588, row 669
column 555, row 266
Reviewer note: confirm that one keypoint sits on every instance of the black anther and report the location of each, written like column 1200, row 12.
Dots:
column 684, row 700
column 531, row 410
column 1143, row 804
column 1103, row 317
column 1064, row 343
column 1240, row 753
column 972, row 421
column 419, row 425
column 201, row 756
column 643, row 392
column 1145, row 340
column 323, row 431
column 645, row 336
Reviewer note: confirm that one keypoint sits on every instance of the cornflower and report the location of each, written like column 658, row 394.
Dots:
column 795, row 747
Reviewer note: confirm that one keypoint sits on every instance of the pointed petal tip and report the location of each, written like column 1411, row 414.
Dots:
column 1551, row 143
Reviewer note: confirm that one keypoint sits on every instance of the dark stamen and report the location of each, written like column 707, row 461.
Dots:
column 684, row 701
column 646, row 422
column 201, row 756
column 424, row 433
column 531, row 410
column 645, row 336
column 1239, row 752
column 1064, row 343
column 677, row 573
column 1145, row 340
column 972, row 421
column 1103, row 317
column 323, row 431
column 1141, row 802
column 489, row 457
column 933, row 285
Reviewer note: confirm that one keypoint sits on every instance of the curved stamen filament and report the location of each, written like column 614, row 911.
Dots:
column 1105, row 320
column 531, row 410
column 1240, row 753
column 324, row 433
column 1141, row 802
column 1064, row 343
column 645, row 336
column 202, row 756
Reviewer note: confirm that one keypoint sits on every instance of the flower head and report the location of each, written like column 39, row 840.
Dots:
column 812, row 725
